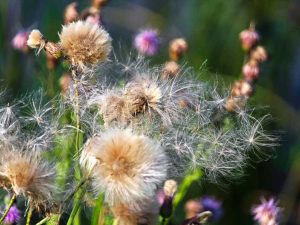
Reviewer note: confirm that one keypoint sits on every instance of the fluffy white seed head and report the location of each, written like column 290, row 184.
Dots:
column 85, row 43
column 125, row 166
column 30, row 176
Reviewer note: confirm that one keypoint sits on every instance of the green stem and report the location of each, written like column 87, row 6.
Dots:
column 97, row 209
column 29, row 215
column 116, row 222
column 46, row 219
column 184, row 187
column 77, row 203
column 11, row 202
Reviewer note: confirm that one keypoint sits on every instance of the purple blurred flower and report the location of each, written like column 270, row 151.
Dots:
column 19, row 41
column 147, row 42
column 267, row 213
column 94, row 19
column 13, row 216
column 211, row 204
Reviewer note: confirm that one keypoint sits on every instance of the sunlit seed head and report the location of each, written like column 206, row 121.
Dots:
column 85, row 43
column 29, row 176
column 125, row 166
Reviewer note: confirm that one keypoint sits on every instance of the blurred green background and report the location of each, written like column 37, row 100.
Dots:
column 212, row 29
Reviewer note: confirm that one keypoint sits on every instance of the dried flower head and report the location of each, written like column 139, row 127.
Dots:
column 170, row 69
column 125, row 166
column 19, row 41
column 147, row 42
column 143, row 94
column 177, row 48
column 85, row 43
column 36, row 40
column 29, row 175
column 267, row 213
column 114, row 109
column 248, row 38
column 71, row 13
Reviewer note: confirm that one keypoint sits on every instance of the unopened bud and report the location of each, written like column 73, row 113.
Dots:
column 249, row 38
column 51, row 61
column 177, row 48
column 71, row 13
column 170, row 187
column 170, row 69
column 251, row 71
column 259, row 54
column 65, row 82
column 241, row 88
column 192, row 208
column 98, row 4
column 235, row 104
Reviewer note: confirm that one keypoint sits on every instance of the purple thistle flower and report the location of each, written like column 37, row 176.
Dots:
column 19, row 41
column 147, row 42
column 13, row 215
column 267, row 213
column 211, row 204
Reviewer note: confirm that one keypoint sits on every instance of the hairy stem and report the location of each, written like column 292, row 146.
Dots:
column 29, row 215
column 76, row 206
column 11, row 202
column 184, row 187
column 97, row 209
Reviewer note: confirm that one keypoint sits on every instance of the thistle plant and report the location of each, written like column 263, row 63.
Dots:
column 136, row 132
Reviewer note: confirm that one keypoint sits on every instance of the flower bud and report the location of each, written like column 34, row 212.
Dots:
column 94, row 18
column 249, row 38
column 170, row 188
column 170, row 69
column 259, row 54
column 98, row 4
column 192, row 208
column 71, row 13
column 242, row 88
column 177, row 47
column 251, row 71
column 234, row 104
column 65, row 81
column 19, row 41
column 51, row 61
